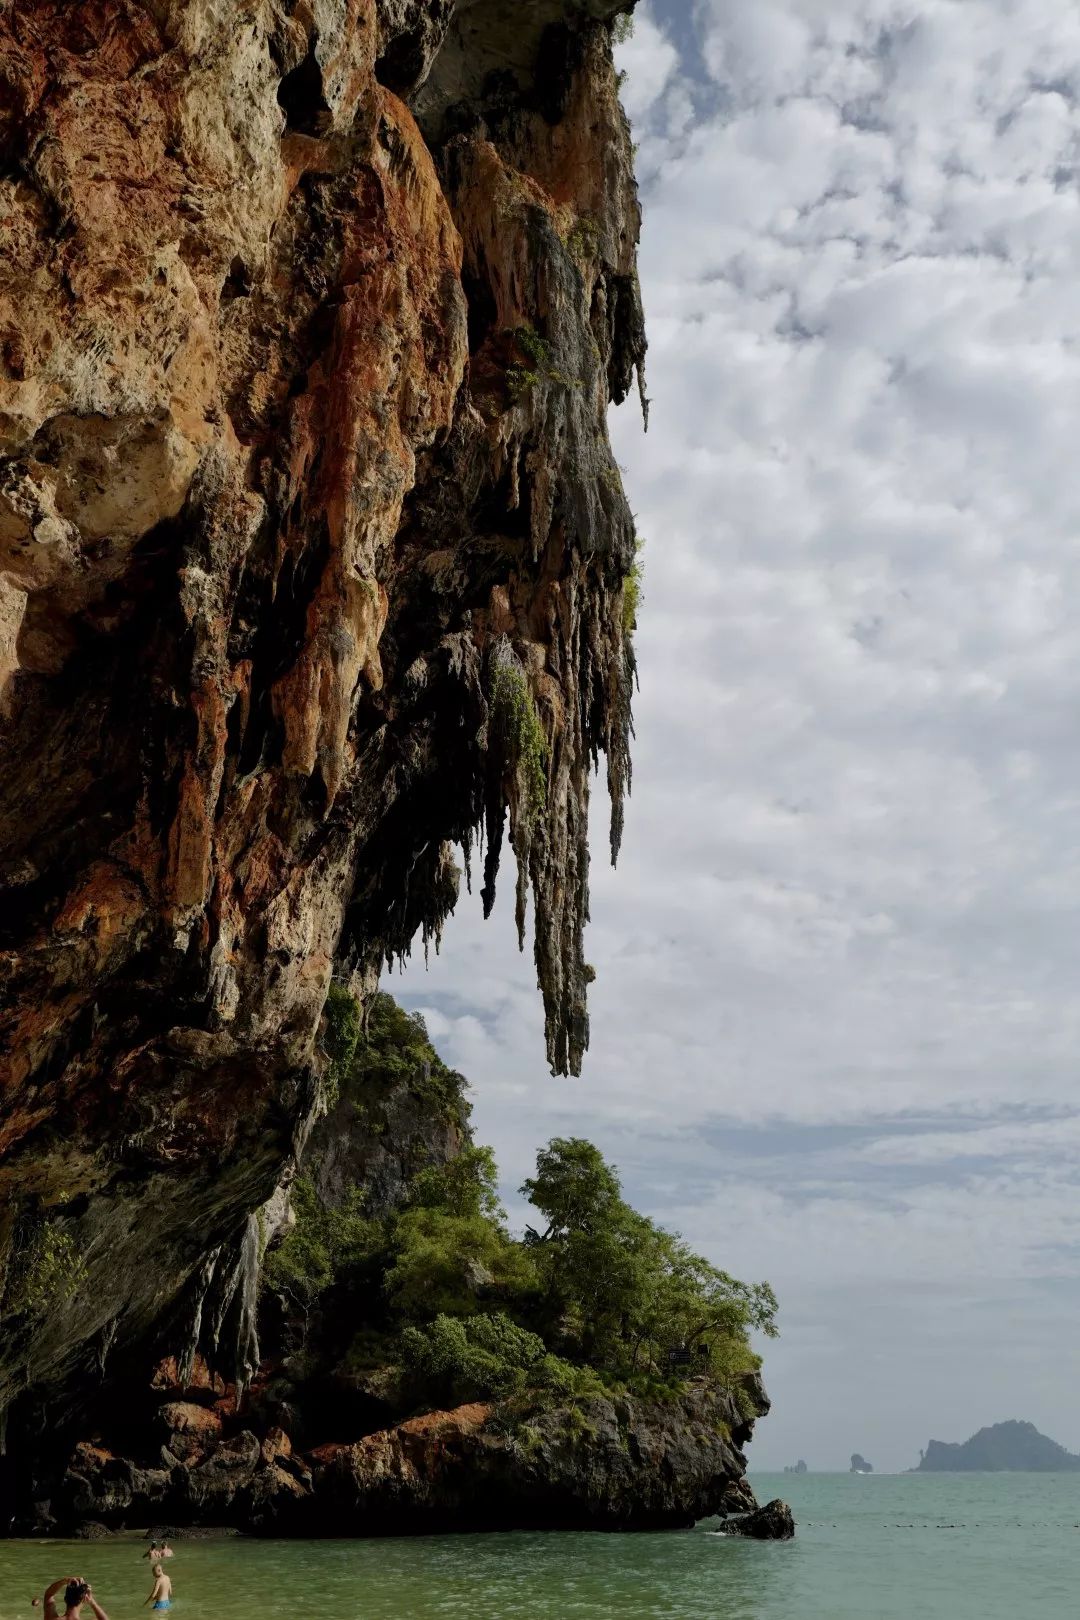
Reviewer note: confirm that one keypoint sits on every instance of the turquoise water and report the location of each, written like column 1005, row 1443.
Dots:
column 888, row 1547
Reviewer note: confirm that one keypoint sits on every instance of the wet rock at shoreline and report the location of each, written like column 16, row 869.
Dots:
column 616, row 1463
column 773, row 1522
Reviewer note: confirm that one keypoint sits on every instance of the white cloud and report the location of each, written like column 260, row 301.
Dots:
column 649, row 60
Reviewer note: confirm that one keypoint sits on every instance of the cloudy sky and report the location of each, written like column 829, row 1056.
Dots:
column 836, row 1023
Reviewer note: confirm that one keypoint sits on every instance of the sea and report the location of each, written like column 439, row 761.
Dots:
column 874, row 1547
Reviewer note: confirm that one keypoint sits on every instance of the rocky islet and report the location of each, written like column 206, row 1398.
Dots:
column 325, row 1439
column 1011, row 1446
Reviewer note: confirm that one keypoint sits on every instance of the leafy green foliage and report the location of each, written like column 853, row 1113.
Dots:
column 622, row 28
column 341, row 1032
column 573, row 1187
column 518, row 735
column 536, row 349
column 454, row 1359
column 467, row 1186
column 583, row 240
column 520, row 381
column 448, row 1262
column 538, row 364
column 47, row 1270
column 620, row 1292
column 632, row 591
column 322, row 1245
column 437, row 1301
column 394, row 1049
column 329, row 1248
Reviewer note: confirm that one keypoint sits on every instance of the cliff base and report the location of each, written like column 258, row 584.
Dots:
column 616, row 1463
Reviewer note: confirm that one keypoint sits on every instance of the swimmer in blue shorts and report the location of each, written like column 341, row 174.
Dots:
column 161, row 1596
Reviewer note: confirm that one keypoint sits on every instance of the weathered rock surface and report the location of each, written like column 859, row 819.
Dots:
column 773, row 1522
column 607, row 1464
column 312, row 560
column 394, row 1116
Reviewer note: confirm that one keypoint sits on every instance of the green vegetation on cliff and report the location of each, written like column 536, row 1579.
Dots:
column 324, row 1244
column 518, row 735
column 454, row 1359
column 437, row 1291
column 393, row 1049
column 633, row 586
column 47, row 1269
column 624, row 1294
column 341, row 1031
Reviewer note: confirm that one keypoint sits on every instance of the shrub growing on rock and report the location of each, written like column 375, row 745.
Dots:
column 594, row 1296
column 456, row 1359
column 323, row 1244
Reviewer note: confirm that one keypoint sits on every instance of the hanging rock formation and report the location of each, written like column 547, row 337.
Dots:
column 312, row 561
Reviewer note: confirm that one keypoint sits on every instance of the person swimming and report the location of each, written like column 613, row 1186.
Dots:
column 77, row 1591
column 161, row 1596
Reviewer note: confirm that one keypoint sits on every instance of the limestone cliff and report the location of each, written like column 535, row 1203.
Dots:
column 312, row 562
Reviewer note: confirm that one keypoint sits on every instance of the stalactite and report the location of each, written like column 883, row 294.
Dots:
column 303, row 418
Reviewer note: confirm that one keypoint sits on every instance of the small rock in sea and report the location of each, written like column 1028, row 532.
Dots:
column 90, row 1530
column 773, row 1522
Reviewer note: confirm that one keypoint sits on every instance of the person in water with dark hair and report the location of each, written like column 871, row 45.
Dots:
column 76, row 1592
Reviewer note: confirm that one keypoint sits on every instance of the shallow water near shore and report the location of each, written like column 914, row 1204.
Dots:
column 886, row 1547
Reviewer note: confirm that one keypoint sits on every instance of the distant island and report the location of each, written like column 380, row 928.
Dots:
column 799, row 1468
column 1016, row 1446
column 859, row 1465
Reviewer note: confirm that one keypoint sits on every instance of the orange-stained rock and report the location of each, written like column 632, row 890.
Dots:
column 185, row 1417
column 599, row 1463
column 87, row 1455
column 307, row 340
column 276, row 1445
column 200, row 1383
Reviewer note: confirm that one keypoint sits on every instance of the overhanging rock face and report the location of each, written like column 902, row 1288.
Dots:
column 313, row 558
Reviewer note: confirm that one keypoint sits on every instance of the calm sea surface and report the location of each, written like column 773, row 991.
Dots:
column 888, row 1547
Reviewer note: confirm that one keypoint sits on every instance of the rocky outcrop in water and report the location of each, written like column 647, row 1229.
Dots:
column 610, row 1464
column 313, row 559
column 773, row 1522
column 859, row 1464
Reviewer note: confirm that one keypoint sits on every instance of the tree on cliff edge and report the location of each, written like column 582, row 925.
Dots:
column 621, row 1292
